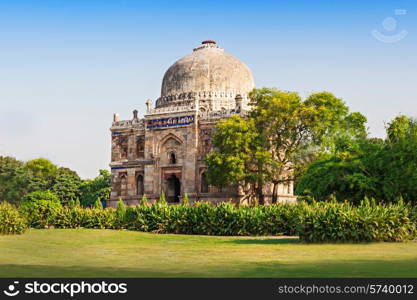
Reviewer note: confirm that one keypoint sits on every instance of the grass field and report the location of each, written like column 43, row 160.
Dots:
column 107, row 253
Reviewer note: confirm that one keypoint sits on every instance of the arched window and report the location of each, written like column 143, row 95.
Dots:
column 123, row 185
column 204, row 183
column 140, row 147
column 139, row 185
column 172, row 158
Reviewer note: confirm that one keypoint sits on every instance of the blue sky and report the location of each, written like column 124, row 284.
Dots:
column 67, row 66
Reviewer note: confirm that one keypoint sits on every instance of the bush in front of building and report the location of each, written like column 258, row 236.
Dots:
column 343, row 222
column 78, row 217
column 223, row 219
column 11, row 222
column 312, row 222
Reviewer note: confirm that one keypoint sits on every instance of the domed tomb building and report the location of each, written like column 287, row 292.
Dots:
column 165, row 150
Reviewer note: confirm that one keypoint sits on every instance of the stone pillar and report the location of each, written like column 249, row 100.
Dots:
column 190, row 172
column 114, row 187
column 149, row 169
column 148, row 180
column 238, row 100
column 148, row 106
column 131, row 182
column 131, row 142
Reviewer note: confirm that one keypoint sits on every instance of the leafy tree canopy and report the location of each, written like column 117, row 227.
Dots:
column 382, row 169
column 13, row 181
column 276, row 140
column 41, row 195
column 67, row 186
column 40, row 167
column 97, row 188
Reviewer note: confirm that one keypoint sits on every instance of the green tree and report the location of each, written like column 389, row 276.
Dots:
column 401, row 129
column 18, row 178
column 66, row 185
column 276, row 140
column 40, row 172
column 240, row 157
column 13, row 180
column 41, row 195
column 41, row 167
column 399, row 160
column 97, row 188
column 291, row 127
column 342, row 178
column 382, row 169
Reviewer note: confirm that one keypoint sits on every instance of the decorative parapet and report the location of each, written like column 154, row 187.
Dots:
column 226, row 113
column 201, row 95
column 135, row 123
column 170, row 122
column 171, row 109
column 177, row 110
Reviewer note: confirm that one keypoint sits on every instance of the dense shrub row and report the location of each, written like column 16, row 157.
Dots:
column 11, row 222
column 202, row 218
column 315, row 222
column 224, row 219
column 342, row 222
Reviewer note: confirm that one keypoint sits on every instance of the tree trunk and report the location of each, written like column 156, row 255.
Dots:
column 275, row 193
column 261, row 196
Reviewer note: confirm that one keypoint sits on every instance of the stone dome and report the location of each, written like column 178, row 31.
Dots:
column 208, row 75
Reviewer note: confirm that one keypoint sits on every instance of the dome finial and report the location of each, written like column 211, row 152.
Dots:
column 208, row 42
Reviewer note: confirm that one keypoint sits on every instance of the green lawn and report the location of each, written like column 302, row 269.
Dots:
column 107, row 253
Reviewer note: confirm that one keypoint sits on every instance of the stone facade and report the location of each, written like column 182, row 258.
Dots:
column 165, row 150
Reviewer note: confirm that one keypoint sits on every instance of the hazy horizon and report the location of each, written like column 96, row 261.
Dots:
column 67, row 66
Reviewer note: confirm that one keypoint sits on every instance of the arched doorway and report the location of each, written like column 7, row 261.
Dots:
column 173, row 189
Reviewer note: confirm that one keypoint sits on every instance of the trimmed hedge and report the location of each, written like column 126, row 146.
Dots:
column 315, row 222
column 206, row 219
column 342, row 222
column 75, row 217
column 11, row 222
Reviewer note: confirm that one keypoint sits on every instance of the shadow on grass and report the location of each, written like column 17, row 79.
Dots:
column 320, row 269
column 266, row 241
